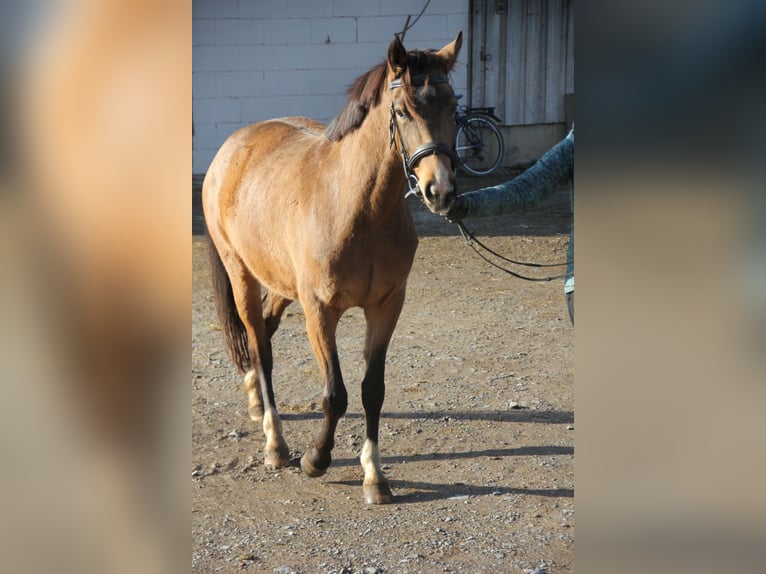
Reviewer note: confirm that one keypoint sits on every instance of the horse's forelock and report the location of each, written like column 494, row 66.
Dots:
column 421, row 63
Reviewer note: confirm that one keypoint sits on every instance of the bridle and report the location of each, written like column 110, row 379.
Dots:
column 431, row 148
column 434, row 148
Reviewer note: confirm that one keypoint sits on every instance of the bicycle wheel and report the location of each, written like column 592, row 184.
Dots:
column 479, row 145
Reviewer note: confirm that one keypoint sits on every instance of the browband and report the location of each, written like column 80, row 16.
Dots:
column 420, row 79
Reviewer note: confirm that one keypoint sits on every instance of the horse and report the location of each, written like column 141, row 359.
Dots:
column 299, row 210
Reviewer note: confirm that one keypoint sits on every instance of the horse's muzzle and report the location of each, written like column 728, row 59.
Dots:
column 439, row 197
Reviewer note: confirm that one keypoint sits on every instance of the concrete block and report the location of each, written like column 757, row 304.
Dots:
column 286, row 83
column 203, row 32
column 309, row 8
column 332, row 82
column 271, row 57
column 430, row 29
column 215, row 58
column 338, row 30
column 287, row 31
column 203, row 85
column 216, row 110
column 239, row 84
column 356, row 8
column 379, row 28
column 240, row 32
column 334, row 56
column 404, row 8
column 447, row 7
column 262, row 9
column 214, row 8
column 205, row 135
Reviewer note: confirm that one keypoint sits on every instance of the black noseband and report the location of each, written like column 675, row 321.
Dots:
column 431, row 149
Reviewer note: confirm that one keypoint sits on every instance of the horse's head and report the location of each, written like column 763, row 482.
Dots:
column 422, row 106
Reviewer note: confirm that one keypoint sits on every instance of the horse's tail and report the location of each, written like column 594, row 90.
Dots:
column 233, row 329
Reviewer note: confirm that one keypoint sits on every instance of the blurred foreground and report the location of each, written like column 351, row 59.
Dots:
column 96, row 287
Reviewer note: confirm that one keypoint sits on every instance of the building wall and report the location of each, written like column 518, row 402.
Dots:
column 523, row 64
column 260, row 59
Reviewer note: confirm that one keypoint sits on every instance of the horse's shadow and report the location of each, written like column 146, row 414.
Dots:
column 419, row 492
column 427, row 491
column 513, row 416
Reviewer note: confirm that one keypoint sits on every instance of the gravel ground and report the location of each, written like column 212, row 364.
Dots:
column 477, row 430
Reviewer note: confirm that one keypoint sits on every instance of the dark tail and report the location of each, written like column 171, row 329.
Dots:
column 233, row 329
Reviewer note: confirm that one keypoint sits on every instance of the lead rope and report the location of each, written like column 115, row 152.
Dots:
column 471, row 240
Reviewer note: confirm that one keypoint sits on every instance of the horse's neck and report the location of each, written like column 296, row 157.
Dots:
column 377, row 172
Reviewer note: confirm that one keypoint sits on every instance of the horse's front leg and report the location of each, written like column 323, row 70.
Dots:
column 321, row 324
column 381, row 321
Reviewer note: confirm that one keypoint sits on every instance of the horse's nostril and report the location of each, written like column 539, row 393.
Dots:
column 429, row 192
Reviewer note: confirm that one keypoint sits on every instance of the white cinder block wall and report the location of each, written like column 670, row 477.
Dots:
column 261, row 59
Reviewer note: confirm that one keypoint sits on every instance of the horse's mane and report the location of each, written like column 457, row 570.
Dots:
column 366, row 90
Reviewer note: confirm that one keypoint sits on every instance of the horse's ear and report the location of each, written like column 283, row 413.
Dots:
column 397, row 57
column 450, row 52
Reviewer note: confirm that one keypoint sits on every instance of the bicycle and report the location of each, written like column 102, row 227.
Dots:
column 478, row 143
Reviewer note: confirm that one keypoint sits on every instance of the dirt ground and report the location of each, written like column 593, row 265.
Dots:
column 477, row 430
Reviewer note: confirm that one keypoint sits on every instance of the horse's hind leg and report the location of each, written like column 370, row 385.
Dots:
column 273, row 307
column 252, row 388
column 381, row 321
column 321, row 323
column 247, row 291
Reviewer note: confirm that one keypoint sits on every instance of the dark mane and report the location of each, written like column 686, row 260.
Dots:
column 365, row 92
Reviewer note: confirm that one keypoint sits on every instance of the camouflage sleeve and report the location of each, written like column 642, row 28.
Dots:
column 555, row 168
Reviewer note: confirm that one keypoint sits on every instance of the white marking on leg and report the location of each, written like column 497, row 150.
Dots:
column 254, row 400
column 370, row 459
column 277, row 453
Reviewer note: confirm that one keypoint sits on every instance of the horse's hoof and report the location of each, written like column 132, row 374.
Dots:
column 278, row 459
column 378, row 493
column 309, row 469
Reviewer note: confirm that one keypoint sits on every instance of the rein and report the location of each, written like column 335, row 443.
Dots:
column 431, row 148
column 471, row 241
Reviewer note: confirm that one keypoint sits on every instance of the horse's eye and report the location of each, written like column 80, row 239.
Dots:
column 400, row 113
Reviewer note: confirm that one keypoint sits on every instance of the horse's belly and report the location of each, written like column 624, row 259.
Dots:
column 369, row 281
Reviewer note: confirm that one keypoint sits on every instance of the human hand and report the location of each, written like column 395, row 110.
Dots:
column 458, row 210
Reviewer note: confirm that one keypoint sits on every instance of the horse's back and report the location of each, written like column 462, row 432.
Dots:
column 271, row 135
column 255, row 158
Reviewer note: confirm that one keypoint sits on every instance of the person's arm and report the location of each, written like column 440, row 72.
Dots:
column 555, row 168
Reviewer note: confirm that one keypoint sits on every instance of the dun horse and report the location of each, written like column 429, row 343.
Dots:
column 297, row 210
